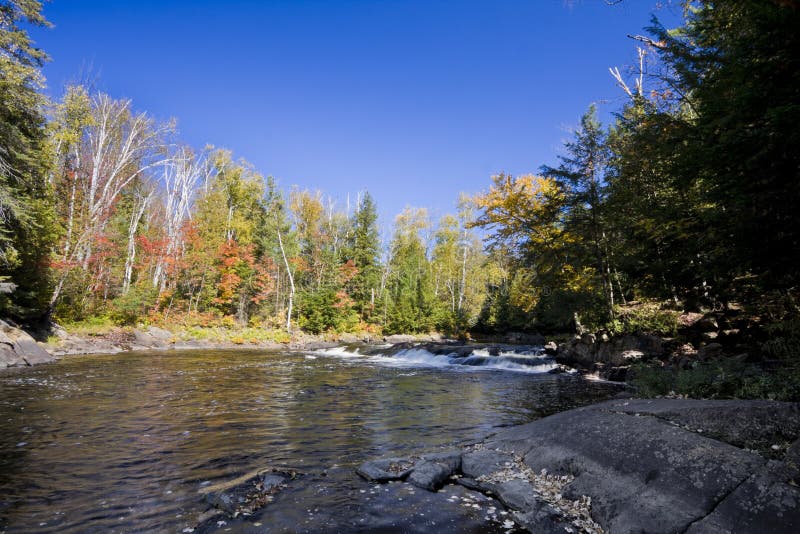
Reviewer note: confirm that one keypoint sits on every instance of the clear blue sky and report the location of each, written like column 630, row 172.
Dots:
column 413, row 100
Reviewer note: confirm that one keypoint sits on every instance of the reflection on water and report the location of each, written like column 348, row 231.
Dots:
column 124, row 442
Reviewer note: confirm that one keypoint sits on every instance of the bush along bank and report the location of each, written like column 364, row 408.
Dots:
column 724, row 354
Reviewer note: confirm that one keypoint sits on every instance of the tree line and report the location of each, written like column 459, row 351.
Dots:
column 689, row 197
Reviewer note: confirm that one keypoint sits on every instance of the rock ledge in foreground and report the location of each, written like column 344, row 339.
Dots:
column 637, row 465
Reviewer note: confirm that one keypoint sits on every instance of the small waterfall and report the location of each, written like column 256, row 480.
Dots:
column 525, row 359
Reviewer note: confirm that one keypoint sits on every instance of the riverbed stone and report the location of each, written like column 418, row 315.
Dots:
column 386, row 469
column 247, row 492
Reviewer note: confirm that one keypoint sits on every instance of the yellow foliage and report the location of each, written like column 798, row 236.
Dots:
column 522, row 209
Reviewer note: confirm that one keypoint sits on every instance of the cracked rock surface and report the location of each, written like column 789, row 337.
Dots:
column 638, row 465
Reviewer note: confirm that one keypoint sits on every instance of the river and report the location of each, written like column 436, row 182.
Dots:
column 124, row 443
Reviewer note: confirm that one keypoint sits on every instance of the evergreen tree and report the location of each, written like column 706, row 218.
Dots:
column 27, row 224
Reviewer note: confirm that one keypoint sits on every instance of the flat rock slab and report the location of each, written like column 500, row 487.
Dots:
column 763, row 503
column 755, row 424
column 644, row 473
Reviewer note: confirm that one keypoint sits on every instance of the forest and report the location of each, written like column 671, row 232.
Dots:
column 686, row 201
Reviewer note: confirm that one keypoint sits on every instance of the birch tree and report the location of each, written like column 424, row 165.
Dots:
column 113, row 146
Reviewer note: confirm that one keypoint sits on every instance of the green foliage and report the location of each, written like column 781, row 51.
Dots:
column 27, row 224
column 784, row 341
column 130, row 307
column 644, row 319
column 728, row 378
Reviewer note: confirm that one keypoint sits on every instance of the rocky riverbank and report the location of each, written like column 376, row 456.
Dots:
column 632, row 465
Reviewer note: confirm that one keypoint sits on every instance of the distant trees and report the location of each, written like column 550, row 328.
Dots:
column 690, row 195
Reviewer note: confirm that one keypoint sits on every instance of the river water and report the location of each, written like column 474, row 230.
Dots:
column 125, row 442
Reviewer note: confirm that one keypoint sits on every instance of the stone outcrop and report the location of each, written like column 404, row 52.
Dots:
column 17, row 348
column 610, row 358
column 637, row 465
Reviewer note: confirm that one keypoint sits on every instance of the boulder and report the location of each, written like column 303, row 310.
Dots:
column 706, row 324
column 147, row 340
column 18, row 348
column 160, row 334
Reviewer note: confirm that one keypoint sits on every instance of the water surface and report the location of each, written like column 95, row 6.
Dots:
column 123, row 443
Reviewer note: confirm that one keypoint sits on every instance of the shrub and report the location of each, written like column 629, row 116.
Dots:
column 647, row 318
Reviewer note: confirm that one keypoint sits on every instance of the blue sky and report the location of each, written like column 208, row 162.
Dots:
column 413, row 100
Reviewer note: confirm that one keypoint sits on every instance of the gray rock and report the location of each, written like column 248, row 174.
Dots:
column 471, row 483
column 147, row 340
column 9, row 357
column 706, row 324
column 643, row 472
column 386, row 469
column 755, row 424
column 481, row 463
column 399, row 338
column 160, row 333
column 542, row 518
column 550, row 347
column 19, row 348
column 517, row 494
column 765, row 502
column 430, row 475
column 247, row 492
column 451, row 459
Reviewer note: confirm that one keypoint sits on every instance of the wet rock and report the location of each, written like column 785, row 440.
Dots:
column 430, row 475
column 386, row 469
column 484, row 462
column 451, row 459
column 248, row 492
column 317, row 345
column 18, row 348
column 399, row 338
column 550, row 348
